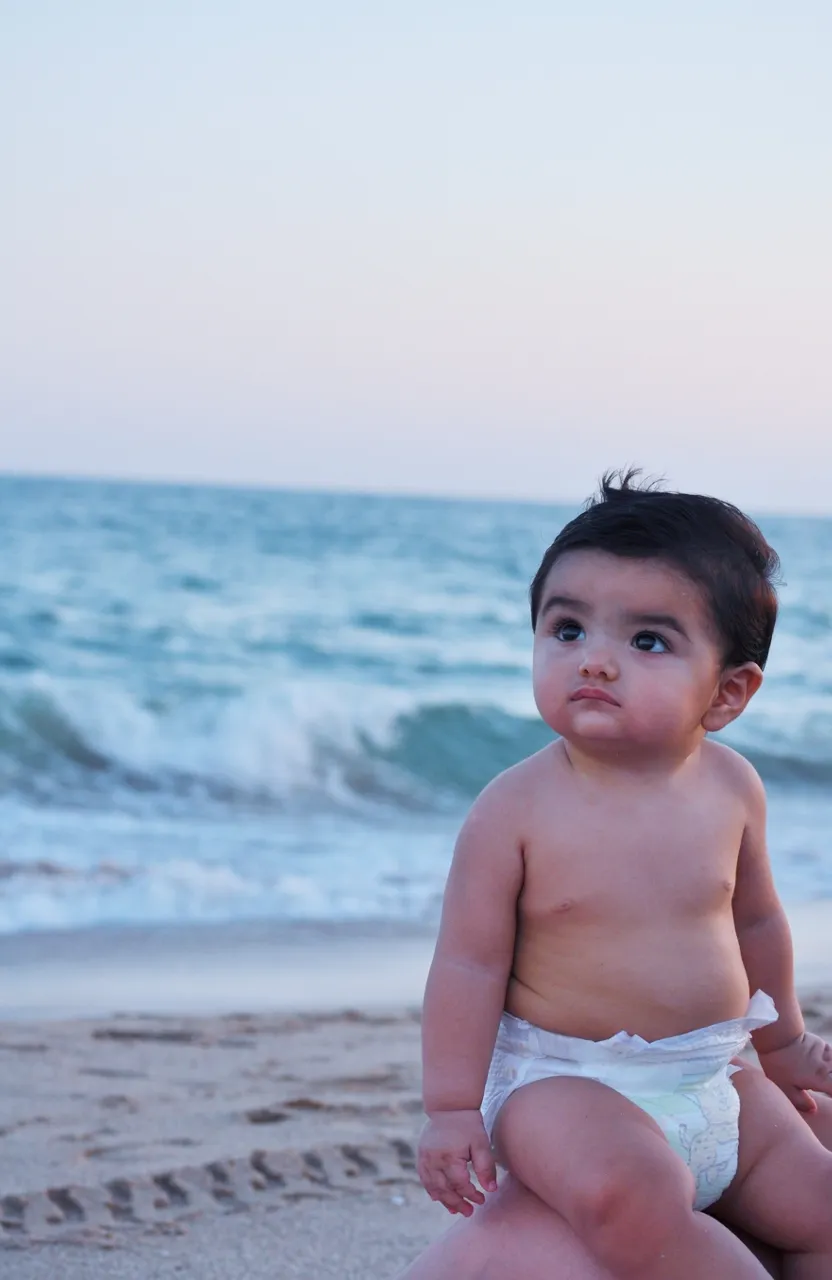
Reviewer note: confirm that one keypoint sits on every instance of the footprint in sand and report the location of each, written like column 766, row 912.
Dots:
column 163, row 1035
column 266, row 1115
column 113, row 1073
column 76, row 1212
column 125, row 1150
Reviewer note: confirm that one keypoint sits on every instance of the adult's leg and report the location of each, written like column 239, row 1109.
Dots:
column 607, row 1168
column 513, row 1234
column 783, row 1188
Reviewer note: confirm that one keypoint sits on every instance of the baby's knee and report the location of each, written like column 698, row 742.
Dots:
column 629, row 1214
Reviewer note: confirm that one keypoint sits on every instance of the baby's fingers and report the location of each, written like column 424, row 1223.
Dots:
column 460, row 1182
column 823, row 1076
column 484, row 1166
column 823, row 1084
column 802, row 1100
column 433, row 1174
column 448, row 1195
column 431, row 1177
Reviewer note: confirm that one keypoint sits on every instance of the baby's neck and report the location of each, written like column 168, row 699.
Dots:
column 616, row 762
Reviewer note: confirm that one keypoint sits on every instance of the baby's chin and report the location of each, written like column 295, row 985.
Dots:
column 598, row 723
column 599, row 726
column 596, row 719
column 586, row 722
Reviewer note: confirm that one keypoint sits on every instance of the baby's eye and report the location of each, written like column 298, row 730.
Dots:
column 568, row 631
column 649, row 642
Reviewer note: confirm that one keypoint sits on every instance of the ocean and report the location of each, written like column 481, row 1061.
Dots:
column 221, row 704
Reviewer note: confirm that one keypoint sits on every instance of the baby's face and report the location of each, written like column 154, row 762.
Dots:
column 625, row 652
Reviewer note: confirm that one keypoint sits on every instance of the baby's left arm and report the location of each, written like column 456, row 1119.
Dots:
column 792, row 1057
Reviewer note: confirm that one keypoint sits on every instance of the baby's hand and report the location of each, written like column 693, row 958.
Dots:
column 804, row 1064
column 449, row 1140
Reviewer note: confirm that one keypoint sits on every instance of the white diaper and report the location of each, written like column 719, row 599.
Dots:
column 683, row 1082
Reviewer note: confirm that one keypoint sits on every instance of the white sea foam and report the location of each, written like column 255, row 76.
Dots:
column 221, row 703
column 317, row 870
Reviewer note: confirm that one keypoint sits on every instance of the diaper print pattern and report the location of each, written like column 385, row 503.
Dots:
column 708, row 1138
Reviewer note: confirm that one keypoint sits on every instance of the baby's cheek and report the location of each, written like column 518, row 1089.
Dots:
column 552, row 713
column 548, row 684
column 675, row 713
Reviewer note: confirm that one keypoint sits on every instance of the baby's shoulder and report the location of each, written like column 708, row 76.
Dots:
column 733, row 772
column 518, row 786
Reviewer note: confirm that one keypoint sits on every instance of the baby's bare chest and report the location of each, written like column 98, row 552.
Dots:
column 596, row 862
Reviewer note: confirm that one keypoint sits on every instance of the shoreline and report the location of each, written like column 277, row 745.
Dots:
column 258, row 966
column 262, row 966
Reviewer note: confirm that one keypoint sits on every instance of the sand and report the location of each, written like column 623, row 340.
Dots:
column 267, row 1131
column 134, row 1136
column 233, row 1101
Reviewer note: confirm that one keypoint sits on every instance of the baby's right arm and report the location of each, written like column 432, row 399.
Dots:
column 465, row 995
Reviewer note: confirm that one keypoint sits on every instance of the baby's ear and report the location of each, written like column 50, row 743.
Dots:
column 737, row 686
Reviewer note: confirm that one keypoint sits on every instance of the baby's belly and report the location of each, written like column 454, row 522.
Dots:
column 650, row 982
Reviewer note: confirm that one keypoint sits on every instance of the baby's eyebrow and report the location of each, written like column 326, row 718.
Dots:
column 657, row 620
column 563, row 602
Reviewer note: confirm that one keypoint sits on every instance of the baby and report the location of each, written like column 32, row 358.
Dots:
column 610, row 910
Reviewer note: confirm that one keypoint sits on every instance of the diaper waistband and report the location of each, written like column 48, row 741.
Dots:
column 698, row 1054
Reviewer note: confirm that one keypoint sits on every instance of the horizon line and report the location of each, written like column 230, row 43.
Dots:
column 324, row 490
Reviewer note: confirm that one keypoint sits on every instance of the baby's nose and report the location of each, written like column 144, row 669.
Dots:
column 599, row 663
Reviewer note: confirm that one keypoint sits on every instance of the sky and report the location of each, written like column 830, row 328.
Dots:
column 447, row 247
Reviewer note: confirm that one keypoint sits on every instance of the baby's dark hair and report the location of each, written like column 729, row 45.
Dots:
column 710, row 541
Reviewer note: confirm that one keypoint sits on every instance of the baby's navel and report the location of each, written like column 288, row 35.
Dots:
column 565, row 904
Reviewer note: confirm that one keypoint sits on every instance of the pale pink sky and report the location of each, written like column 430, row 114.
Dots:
column 461, row 249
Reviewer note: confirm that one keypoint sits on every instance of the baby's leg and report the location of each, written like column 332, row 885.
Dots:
column 605, row 1166
column 820, row 1121
column 783, row 1188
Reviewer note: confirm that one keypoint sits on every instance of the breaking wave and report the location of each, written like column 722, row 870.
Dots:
column 298, row 748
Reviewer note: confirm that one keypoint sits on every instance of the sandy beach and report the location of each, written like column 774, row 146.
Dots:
column 268, row 1131
column 229, row 1101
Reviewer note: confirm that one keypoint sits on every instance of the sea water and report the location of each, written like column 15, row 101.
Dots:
column 221, row 704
